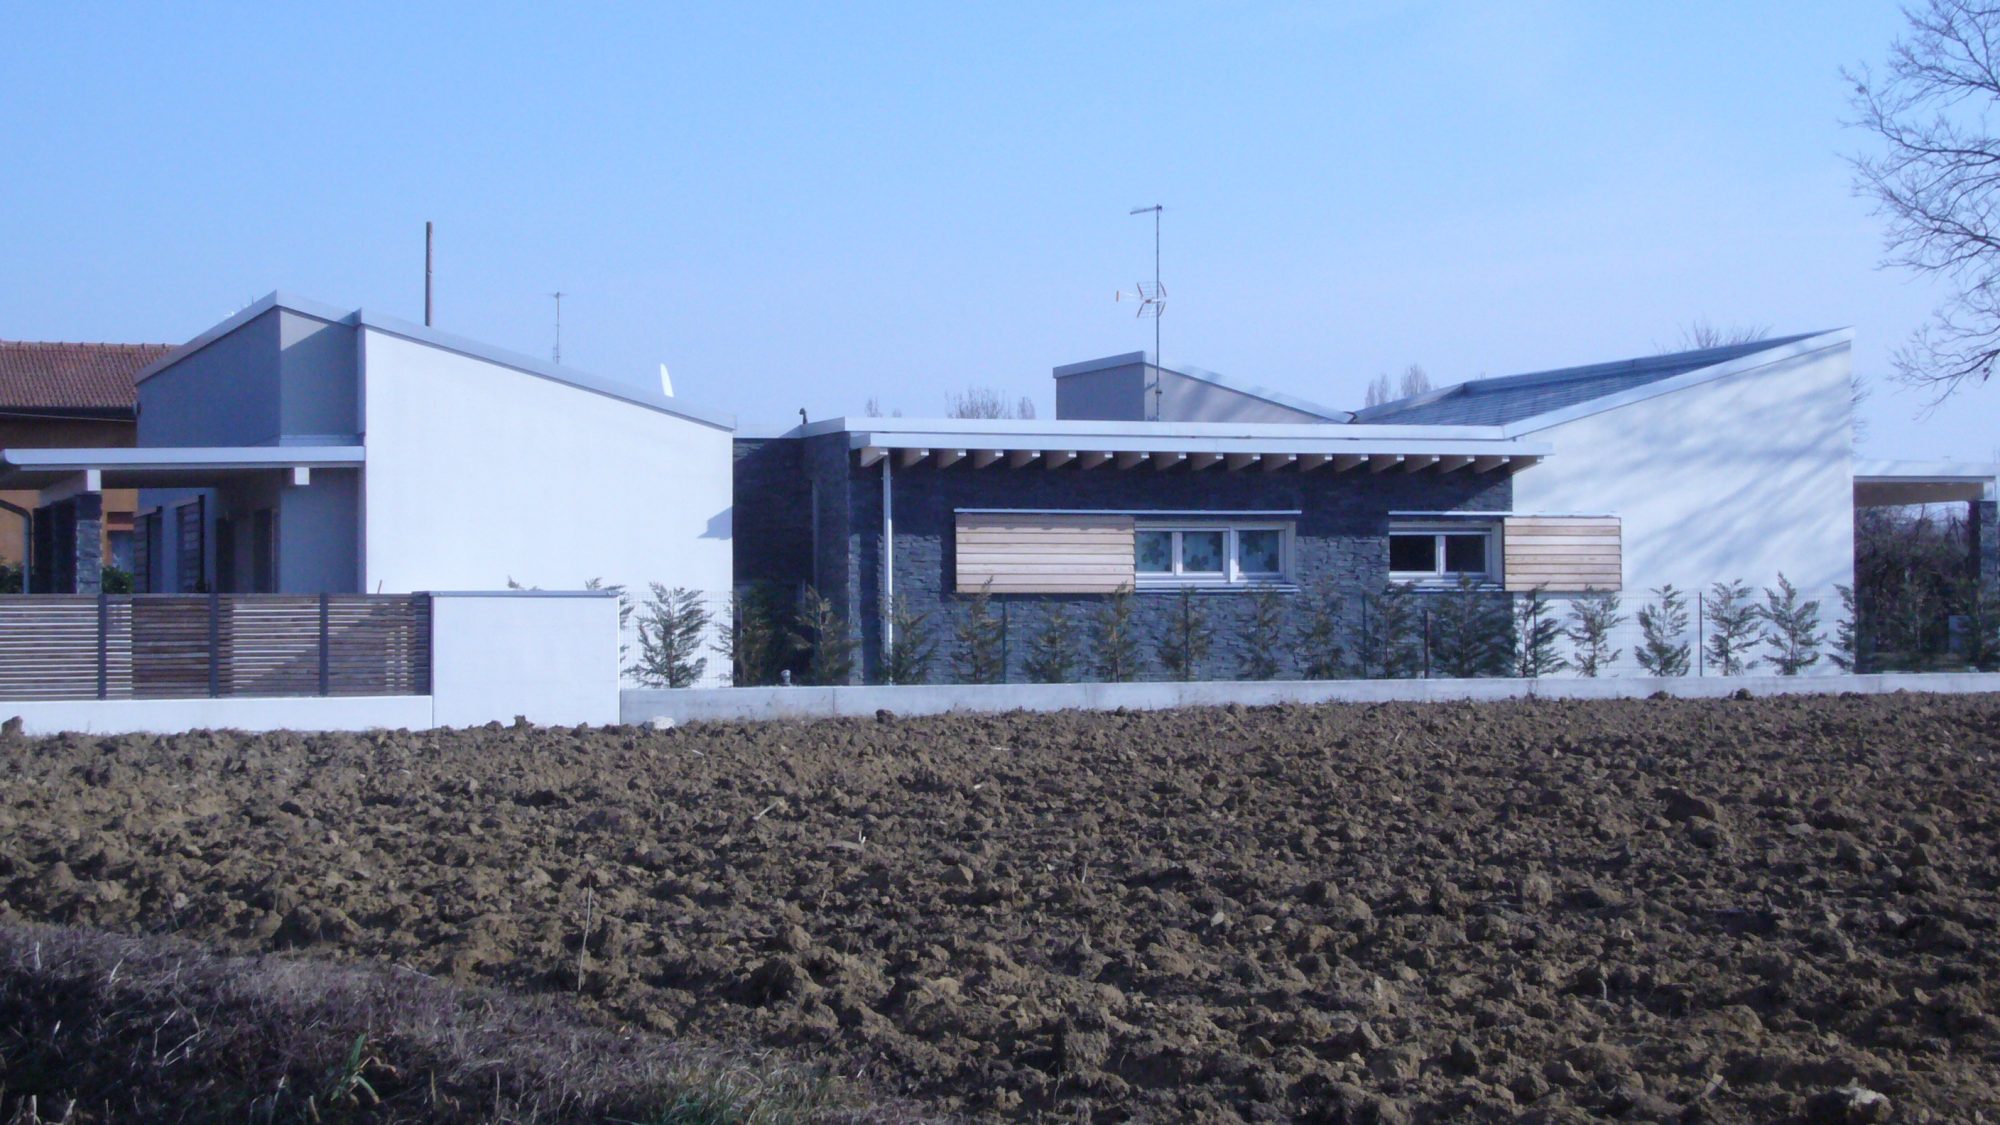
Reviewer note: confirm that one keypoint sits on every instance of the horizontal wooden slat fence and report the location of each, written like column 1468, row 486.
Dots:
column 171, row 646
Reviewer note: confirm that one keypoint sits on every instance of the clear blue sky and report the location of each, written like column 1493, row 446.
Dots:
column 807, row 206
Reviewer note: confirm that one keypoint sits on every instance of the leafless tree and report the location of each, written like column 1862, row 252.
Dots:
column 1935, row 180
column 1378, row 391
column 985, row 402
column 1701, row 334
column 1415, row 382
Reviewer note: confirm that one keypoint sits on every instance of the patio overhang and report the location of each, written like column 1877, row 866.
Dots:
column 59, row 472
column 1191, row 447
column 1886, row 484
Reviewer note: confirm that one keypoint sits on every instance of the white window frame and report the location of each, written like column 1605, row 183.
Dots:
column 1440, row 576
column 1232, row 574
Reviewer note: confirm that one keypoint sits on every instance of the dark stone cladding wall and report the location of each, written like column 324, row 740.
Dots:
column 771, row 518
column 1986, row 540
column 1342, row 539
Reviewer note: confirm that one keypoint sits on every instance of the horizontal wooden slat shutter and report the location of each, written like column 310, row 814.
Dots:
column 1044, row 554
column 1563, row 553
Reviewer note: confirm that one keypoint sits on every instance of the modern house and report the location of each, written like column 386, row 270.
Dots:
column 68, row 395
column 1730, row 463
column 301, row 448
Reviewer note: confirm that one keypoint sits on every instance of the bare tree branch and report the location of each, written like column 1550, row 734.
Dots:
column 1937, row 181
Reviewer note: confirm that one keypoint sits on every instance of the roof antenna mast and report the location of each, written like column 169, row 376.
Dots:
column 558, row 352
column 427, row 273
column 1152, row 300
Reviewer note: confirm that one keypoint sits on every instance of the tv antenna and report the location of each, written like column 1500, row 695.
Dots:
column 1152, row 299
column 558, row 352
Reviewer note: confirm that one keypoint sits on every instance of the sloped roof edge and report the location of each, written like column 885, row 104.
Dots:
column 1788, row 348
column 319, row 310
column 1203, row 375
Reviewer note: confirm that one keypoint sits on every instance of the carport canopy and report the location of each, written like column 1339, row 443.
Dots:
column 69, row 471
column 1887, row 484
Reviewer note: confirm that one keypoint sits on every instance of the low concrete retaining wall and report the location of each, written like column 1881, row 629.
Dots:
column 704, row 704
column 171, row 716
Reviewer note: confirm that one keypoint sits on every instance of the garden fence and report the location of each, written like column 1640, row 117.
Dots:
column 172, row 646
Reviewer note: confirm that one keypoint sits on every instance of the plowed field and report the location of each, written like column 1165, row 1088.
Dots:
column 1655, row 910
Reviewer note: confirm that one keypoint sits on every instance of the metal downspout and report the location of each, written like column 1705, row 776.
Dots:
column 888, row 563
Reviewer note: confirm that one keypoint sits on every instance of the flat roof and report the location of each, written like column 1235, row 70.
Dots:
column 1883, row 484
column 1019, row 443
column 167, row 467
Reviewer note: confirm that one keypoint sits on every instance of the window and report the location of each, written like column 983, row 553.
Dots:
column 1441, row 554
column 1211, row 553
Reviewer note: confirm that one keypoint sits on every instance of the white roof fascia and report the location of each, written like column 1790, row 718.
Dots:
column 188, row 457
column 1811, row 345
column 1179, row 441
column 1031, row 430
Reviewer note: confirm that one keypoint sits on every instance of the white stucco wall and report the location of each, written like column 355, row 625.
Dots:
column 479, row 473
column 1742, row 478
column 552, row 659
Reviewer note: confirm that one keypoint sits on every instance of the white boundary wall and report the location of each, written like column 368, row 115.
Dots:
column 551, row 658
column 724, row 704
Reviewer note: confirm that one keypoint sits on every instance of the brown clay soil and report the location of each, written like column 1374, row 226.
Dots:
column 1653, row 910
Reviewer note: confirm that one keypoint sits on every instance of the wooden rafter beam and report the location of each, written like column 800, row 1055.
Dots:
column 984, row 457
column 1342, row 462
column 1488, row 463
column 1452, row 464
column 871, row 454
column 1091, row 460
column 1275, row 461
column 1199, row 461
column 1020, row 457
column 1237, row 462
column 1383, row 462
column 909, row 457
column 1165, row 461
column 1130, row 458
column 949, row 457
column 1418, row 462
column 1057, row 458
column 1310, row 461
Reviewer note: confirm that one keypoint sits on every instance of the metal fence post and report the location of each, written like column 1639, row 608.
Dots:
column 214, row 644
column 325, row 664
column 103, row 645
column 1427, row 643
column 1003, row 640
column 1700, row 615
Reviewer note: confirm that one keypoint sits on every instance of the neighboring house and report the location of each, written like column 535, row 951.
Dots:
column 1724, row 464
column 301, row 448
column 68, row 395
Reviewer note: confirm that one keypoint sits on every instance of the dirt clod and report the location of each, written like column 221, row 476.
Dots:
column 1724, row 911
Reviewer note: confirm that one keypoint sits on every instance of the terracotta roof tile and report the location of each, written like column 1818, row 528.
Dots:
column 53, row 376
